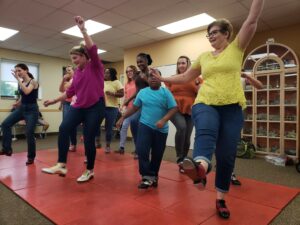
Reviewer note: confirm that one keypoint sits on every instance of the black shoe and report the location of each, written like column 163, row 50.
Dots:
column 236, row 182
column 7, row 153
column 195, row 171
column 145, row 184
column 222, row 209
column 120, row 151
column 29, row 162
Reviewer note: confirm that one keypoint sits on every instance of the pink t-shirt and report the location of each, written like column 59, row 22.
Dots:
column 130, row 89
column 88, row 83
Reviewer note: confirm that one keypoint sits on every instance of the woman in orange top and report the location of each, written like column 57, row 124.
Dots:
column 184, row 95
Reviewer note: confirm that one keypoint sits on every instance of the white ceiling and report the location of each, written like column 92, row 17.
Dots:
column 133, row 22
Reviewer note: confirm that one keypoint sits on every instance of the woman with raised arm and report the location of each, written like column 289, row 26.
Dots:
column 217, row 111
column 88, row 107
column 26, row 108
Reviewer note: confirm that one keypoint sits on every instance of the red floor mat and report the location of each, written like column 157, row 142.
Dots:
column 112, row 196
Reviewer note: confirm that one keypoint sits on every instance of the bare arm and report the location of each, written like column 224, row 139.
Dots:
column 87, row 39
column 130, row 111
column 190, row 74
column 54, row 101
column 248, row 28
column 254, row 82
column 167, row 117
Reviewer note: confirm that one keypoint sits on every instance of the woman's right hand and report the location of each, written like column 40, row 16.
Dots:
column 120, row 122
column 156, row 74
column 49, row 102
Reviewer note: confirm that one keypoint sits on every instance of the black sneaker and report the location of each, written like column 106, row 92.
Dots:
column 145, row 184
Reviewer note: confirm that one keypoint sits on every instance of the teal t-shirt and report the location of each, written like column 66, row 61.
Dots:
column 154, row 106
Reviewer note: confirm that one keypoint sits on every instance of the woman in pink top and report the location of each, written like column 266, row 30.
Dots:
column 130, row 90
column 88, row 107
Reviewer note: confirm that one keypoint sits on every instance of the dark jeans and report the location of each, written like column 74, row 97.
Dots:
column 90, row 117
column 184, row 127
column 218, row 129
column 28, row 112
column 110, row 117
column 150, row 141
column 73, row 134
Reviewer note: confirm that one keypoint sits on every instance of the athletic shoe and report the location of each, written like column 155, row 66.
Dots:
column 59, row 168
column 86, row 176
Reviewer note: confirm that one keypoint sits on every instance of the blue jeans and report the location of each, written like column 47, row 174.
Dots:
column 28, row 112
column 90, row 117
column 133, row 128
column 150, row 141
column 73, row 134
column 184, row 128
column 110, row 116
column 218, row 129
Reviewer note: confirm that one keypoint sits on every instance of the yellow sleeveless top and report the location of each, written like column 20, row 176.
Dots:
column 222, row 77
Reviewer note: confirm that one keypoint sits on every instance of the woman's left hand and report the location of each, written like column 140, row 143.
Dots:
column 80, row 22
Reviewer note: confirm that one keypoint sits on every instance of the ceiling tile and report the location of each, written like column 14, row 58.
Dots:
column 155, row 34
column 134, row 27
column 171, row 14
column 106, row 4
column 84, row 9
column 111, row 18
column 54, row 3
column 109, row 35
column 229, row 11
column 22, row 40
column 137, row 8
column 206, row 5
column 36, row 30
column 130, row 41
column 58, row 21
column 281, row 11
column 34, row 11
column 46, row 44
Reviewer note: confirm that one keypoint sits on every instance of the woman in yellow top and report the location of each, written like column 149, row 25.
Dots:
column 217, row 111
column 113, row 90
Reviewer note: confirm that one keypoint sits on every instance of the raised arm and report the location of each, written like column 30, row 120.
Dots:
column 81, row 25
column 189, row 75
column 248, row 28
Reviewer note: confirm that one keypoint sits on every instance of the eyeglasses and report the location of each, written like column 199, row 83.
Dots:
column 212, row 33
column 129, row 71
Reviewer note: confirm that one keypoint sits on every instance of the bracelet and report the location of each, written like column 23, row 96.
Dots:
column 83, row 31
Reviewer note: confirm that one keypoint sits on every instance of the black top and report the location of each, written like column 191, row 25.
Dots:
column 140, row 83
column 31, row 98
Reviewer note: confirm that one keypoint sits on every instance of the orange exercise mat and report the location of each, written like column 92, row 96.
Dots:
column 112, row 197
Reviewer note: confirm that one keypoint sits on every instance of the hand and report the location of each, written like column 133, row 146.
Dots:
column 67, row 77
column 156, row 74
column 110, row 93
column 160, row 124
column 80, row 22
column 125, row 103
column 120, row 122
column 49, row 102
column 13, row 72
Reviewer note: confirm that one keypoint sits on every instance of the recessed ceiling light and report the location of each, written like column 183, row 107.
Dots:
column 92, row 27
column 6, row 33
column 100, row 51
column 200, row 20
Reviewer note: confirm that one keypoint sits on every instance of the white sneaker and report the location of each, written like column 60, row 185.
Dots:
column 107, row 150
column 86, row 176
column 59, row 168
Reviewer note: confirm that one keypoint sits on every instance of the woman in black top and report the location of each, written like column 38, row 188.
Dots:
column 27, row 108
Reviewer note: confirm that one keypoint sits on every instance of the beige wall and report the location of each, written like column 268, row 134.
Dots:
column 167, row 51
column 49, row 79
